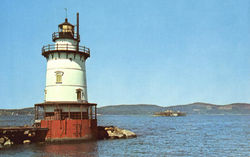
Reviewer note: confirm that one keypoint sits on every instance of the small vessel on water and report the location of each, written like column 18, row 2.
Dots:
column 170, row 113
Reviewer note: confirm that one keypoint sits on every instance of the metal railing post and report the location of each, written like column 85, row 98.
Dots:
column 81, row 110
column 95, row 112
column 91, row 113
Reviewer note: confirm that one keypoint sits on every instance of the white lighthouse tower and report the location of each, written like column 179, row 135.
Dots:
column 66, row 111
column 66, row 74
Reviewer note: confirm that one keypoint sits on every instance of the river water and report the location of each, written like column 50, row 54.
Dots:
column 193, row 135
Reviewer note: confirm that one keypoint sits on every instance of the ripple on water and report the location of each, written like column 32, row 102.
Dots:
column 157, row 136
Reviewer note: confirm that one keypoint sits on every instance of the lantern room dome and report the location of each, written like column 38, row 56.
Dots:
column 66, row 26
column 66, row 23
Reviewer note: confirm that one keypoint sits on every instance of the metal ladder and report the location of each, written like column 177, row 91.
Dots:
column 49, row 125
column 78, row 130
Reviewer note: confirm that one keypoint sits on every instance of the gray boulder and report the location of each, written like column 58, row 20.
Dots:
column 8, row 143
column 111, row 132
column 26, row 142
column 2, row 140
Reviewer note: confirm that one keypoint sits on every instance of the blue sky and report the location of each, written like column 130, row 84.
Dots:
column 164, row 52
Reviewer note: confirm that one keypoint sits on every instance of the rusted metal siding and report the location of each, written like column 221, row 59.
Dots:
column 70, row 129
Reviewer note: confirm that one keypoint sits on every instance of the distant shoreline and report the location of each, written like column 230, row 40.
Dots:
column 197, row 108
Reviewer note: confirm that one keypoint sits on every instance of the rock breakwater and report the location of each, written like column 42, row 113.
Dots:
column 21, row 135
column 112, row 132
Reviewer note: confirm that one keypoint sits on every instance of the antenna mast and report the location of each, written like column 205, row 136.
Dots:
column 77, row 25
column 66, row 11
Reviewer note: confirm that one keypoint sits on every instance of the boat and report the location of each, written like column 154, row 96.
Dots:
column 170, row 113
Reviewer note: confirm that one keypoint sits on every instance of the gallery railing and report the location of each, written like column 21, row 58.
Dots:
column 68, row 35
column 65, row 47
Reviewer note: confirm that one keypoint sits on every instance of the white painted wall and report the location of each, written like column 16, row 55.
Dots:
column 74, row 75
column 64, row 42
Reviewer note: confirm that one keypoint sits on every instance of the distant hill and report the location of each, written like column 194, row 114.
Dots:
column 24, row 111
column 205, row 108
column 147, row 109
column 139, row 109
column 194, row 108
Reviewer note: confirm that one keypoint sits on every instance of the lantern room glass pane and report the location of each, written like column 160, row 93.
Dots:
column 67, row 28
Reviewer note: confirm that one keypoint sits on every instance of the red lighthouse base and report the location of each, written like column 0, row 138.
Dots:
column 67, row 120
column 85, row 129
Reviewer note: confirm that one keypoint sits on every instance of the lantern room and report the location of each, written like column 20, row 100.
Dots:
column 65, row 31
column 66, row 27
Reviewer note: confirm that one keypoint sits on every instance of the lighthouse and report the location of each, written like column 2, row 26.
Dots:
column 66, row 111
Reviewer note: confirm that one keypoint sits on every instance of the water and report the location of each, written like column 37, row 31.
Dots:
column 197, row 135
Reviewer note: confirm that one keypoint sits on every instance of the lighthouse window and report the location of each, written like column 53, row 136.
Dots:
column 58, row 78
column 59, row 75
column 79, row 94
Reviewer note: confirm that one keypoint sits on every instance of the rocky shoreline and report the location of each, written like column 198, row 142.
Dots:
column 27, row 135
column 21, row 135
column 112, row 132
column 5, row 141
